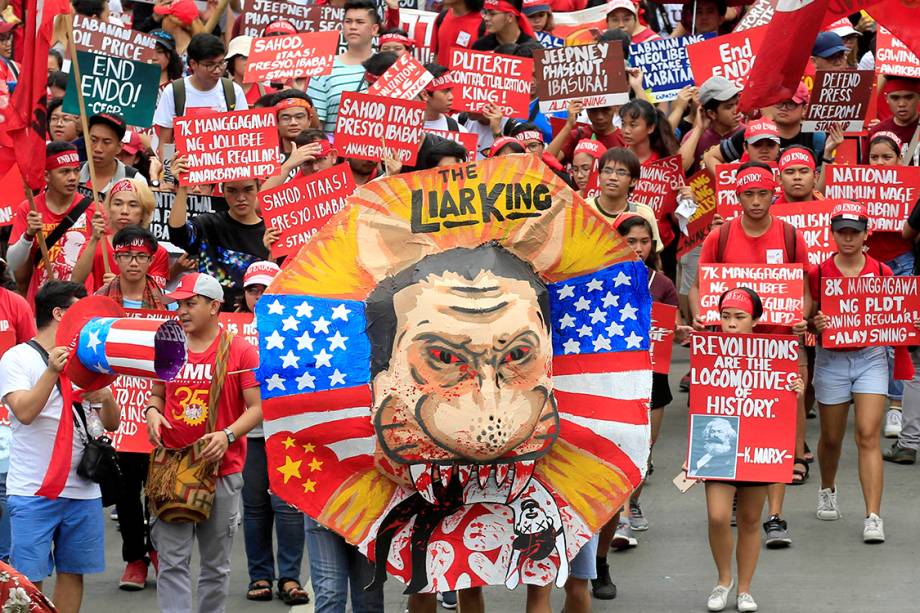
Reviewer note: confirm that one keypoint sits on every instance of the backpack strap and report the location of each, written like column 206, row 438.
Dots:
column 178, row 87
column 724, row 231
column 64, row 225
column 229, row 93
column 452, row 124
column 789, row 242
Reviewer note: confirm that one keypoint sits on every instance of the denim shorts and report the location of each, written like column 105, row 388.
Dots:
column 64, row 534
column 584, row 564
column 840, row 374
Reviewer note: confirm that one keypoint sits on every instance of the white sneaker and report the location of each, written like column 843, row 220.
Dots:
column 827, row 505
column 893, row 421
column 746, row 602
column 873, row 529
column 718, row 599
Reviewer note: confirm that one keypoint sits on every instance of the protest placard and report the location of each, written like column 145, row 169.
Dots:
column 482, row 78
column 372, row 127
column 664, row 64
column 404, row 80
column 658, row 184
column 839, row 97
column 299, row 208
column 870, row 311
column 594, row 74
column 549, row 41
column 115, row 40
column 228, row 146
column 419, row 25
column 888, row 191
column 304, row 17
column 742, row 408
column 11, row 194
column 730, row 55
column 781, row 288
column 664, row 319
column 241, row 324
column 813, row 220
column 196, row 205
column 114, row 85
column 727, row 205
column 704, row 194
column 894, row 58
column 279, row 58
column 469, row 141
column 567, row 23
column 758, row 14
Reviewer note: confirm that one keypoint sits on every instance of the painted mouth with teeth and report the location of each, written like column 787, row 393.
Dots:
column 517, row 475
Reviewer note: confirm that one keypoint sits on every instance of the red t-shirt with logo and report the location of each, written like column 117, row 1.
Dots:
column 17, row 321
column 187, row 399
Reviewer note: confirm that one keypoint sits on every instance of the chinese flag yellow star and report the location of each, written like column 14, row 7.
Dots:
column 315, row 465
column 309, row 486
column 290, row 468
column 308, row 448
column 288, row 442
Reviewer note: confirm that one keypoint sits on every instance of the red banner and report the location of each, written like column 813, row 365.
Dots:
column 482, row 78
column 404, row 80
column 228, row 146
column 813, row 220
column 661, row 334
column 742, row 410
column 469, row 141
column 892, row 57
column 781, row 288
column 730, row 55
column 888, row 191
column 279, row 58
column 658, row 184
column 299, row 208
column 372, row 128
column 870, row 311
column 704, row 194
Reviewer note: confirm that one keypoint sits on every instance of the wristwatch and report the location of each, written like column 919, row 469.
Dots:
column 230, row 435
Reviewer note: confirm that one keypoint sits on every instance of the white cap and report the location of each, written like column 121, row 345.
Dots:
column 239, row 46
column 197, row 284
column 260, row 273
column 842, row 27
column 621, row 4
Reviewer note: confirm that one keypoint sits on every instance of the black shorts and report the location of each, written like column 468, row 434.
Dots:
column 661, row 391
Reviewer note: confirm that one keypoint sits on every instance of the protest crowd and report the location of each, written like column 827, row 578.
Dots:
column 174, row 157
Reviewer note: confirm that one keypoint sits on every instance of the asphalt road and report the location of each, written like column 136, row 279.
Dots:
column 828, row 568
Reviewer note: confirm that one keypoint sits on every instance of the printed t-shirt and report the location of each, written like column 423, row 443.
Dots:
column 187, row 399
column 17, row 321
column 159, row 267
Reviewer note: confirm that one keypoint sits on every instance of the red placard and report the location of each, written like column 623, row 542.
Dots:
column 892, row 57
column 870, row 311
column 372, row 127
column 469, row 141
column 299, row 208
column 730, row 55
column 888, row 191
column 664, row 320
column 813, row 220
column 241, row 324
column 658, row 184
column 704, row 194
column 279, row 58
column 228, row 146
column 419, row 25
column 781, row 288
column 11, row 194
column 727, row 205
column 742, row 410
column 403, row 80
column 482, row 78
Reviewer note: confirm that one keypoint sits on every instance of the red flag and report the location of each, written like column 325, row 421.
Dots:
column 24, row 118
column 896, row 15
column 776, row 75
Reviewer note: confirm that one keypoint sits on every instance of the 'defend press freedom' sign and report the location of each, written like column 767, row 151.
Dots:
column 279, row 58
column 594, row 74
column 372, row 128
column 730, row 56
column 196, row 204
column 742, row 407
column 889, row 192
column 839, row 97
column 664, row 64
column 870, row 311
column 114, row 85
column 228, row 146
column 482, row 78
column 781, row 288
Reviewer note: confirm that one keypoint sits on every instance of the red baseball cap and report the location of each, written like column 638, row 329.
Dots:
column 185, row 11
column 759, row 130
column 848, row 214
column 260, row 273
column 197, row 284
column 279, row 27
column 131, row 143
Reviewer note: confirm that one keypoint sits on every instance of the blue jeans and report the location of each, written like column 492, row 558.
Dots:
column 334, row 564
column 4, row 522
column 261, row 509
column 901, row 266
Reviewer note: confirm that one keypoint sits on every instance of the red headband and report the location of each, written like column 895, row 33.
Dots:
column 796, row 157
column 399, row 39
column 445, row 81
column 890, row 136
column 325, row 148
column 738, row 299
column 138, row 244
column 503, row 6
column 754, row 178
column 529, row 135
column 68, row 158
column 591, row 147
column 125, row 185
column 289, row 102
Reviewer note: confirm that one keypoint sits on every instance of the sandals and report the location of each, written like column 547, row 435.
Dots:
column 799, row 476
column 291, row 592
column 809, row 456
column 260, row 590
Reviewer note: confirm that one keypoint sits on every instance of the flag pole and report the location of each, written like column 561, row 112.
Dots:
column 40, row 235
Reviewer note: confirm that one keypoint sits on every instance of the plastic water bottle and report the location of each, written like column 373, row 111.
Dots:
column 93, row 422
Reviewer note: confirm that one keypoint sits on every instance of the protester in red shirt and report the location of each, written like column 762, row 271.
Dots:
column 237, row 55
column 903, row 97
column 17, row 321
column 457, row 25
column 720, row 118
column 602, row 129
column 624, row 15
column 797, row 176
column 761, row 144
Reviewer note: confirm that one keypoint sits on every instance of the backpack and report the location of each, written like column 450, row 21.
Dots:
column 178, row 87
column 789, row 242
column 452, row 124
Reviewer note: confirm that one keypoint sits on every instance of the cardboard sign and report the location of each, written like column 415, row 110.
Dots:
column 892, row 57
column 781, row 288
column 279, row 58
column 813, row 220
column 594, row 73
column 888, row 191
column 196, row 205
column 727, row 204
column 419, row 25
column 759, row 14
column 742, row 410
column 665, row 65
column 372, row 127
column 109, row 39
column 482, row 78
column 870, row 311
column 228, row 146
column 658, row 184
column 114, row 85
column 730, row 56
column 469, row 141
column 304, row 17
column 664, row 320
column 299, row 208
column 704, row 194
column 404, row 80
column 839, row 97
column 568, row 23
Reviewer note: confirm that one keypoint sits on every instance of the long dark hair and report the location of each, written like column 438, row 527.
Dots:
column 662, row 140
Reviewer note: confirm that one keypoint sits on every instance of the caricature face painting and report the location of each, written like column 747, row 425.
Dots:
column 490, row 410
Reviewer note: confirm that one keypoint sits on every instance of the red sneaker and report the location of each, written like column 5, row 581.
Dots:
column 135, row 576
column 155, row 560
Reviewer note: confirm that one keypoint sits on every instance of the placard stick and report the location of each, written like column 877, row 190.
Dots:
column 40, row 235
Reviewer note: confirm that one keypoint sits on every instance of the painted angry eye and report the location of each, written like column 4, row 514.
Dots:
column 445, row 357
column 516, row 355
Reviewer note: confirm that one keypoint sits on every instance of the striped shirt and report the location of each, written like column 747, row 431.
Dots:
column 326, row 91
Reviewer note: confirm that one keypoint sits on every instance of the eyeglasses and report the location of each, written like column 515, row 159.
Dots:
column 291, row 118
column 140, row 258
column 212, row 66
column 787, row 104
column 620, row 172
column 62, row 119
